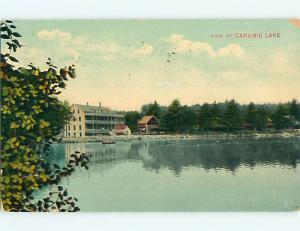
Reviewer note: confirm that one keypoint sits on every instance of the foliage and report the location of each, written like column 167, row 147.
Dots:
column 281, row 117
column 205, row 117
column 295, row 109
column 232, row 116
column 228, row 116
column 250, row 117
column 131, row 120
column 178, row 118
column 262, row 117
column 31, row 119
column 152, row 109
column 171, row 120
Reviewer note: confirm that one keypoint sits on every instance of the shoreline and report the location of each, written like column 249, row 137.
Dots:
column 208, row 136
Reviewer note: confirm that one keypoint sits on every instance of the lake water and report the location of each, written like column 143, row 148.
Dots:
column 186, row 175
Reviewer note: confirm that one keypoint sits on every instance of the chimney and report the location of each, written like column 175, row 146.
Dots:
column 100, row 104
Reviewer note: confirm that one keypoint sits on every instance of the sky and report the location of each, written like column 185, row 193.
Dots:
column 127, row 63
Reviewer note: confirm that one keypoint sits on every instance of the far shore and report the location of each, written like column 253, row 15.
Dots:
column 205, row 136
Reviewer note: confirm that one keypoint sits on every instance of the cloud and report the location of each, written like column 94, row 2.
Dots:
column 75, row 46
column 72, row 52
column 106, row 58
column 111, row 47
column 231, row 75
column 145, row 50
column 281, row 65
column 295, row 22
column 54, row 34
column 183, row 46
column 174, row 38
column 231, row 50
column 169, row 83
column 34, row 55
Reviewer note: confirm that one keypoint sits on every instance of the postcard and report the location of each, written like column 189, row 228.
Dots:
column 150, row 115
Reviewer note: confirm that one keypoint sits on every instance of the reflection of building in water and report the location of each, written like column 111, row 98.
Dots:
column 70, row 149
column 92, row 121
column 98, row 152
column 143, row 152
column 208, row 155
column 227, row 155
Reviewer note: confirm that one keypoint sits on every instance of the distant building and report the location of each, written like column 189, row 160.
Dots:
column 148, row 125
column 92, row 121
column 122, row 129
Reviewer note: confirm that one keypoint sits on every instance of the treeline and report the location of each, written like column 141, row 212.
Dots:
column 228, row 116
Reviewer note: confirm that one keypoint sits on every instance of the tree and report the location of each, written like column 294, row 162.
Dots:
column 281, row 116
column 295, row 109
column 152, row 109
column 250, row 117
column 232, row 116
column 31, row 119
column 262, row 116
column 131, row 120
column 216, row 116
column 188, row 119
column 205, row 117
column 171, row 119
column 178, row 118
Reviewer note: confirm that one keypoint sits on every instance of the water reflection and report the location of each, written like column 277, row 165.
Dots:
column 179, row 154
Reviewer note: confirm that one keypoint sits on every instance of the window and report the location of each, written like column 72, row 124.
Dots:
column 74, row 127
column 78, row 111
column 79, row 118
column 74, row 134
column 88, row 117
column 80, row 128
column 80, row 134
column 69, row 127
column 74, row 119
column 68, row 134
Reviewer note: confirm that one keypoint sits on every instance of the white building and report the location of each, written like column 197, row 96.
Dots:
column 122, row 129
column 92, row 121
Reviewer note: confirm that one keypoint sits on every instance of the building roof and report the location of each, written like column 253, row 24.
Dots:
column 88, row 107
column 121, row 127
column 146, row 119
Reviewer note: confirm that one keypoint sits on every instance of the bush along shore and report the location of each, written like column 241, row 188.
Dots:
column 203, row 136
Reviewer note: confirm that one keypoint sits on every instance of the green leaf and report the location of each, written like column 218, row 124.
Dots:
column 3, row 28
column 4, row 36
column 56, row 166
column 14, row 46
column 16, row 34
column 13, row 59
column 16, row 42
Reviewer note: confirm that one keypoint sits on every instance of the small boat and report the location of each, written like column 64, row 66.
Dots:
column 107, row 141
